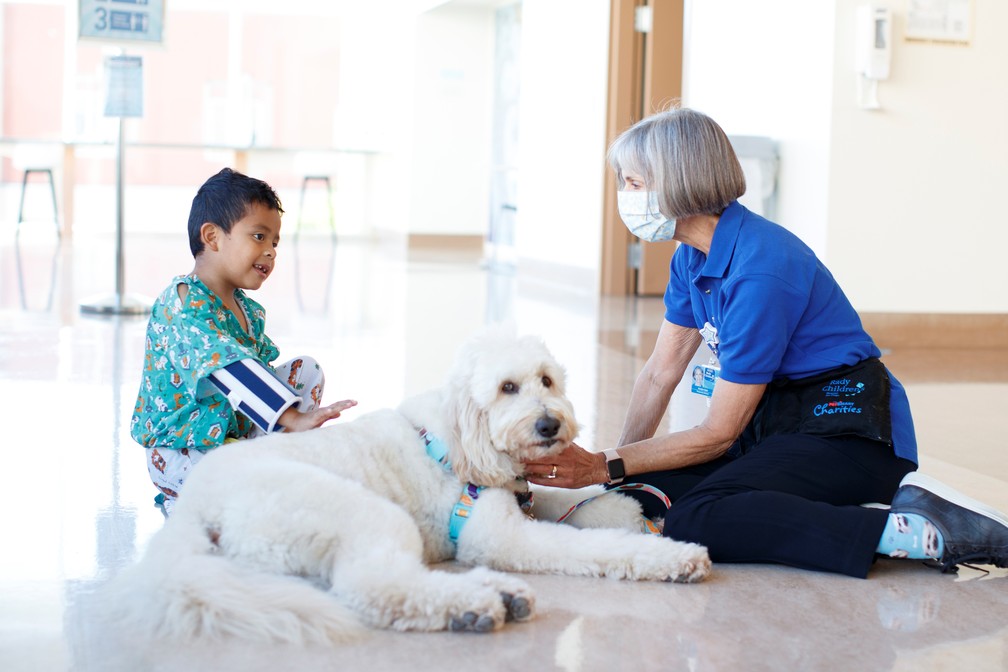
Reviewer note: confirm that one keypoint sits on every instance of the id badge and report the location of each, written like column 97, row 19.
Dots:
column 704, row 378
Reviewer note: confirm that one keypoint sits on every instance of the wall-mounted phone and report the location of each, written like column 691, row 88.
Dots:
column 873, row 51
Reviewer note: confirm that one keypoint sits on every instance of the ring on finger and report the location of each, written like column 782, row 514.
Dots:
column 552, row 473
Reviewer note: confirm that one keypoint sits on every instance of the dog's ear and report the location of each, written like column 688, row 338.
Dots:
column 471, row 450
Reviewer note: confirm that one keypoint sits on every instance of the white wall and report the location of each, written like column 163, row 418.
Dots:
column 915, row 220
column 452, row 94
column 564, row 64
column 374, row 111
column 761, row 68
column 897, row 202
column 564, row 73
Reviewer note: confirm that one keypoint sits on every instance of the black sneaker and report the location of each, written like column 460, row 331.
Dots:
column 972, row 532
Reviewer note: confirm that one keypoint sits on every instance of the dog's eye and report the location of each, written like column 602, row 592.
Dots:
column 509, row 388
column 547, row 381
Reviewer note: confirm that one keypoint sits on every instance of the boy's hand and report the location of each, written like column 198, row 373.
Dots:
column 295, row 421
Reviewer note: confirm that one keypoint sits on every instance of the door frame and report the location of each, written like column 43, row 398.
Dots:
column 645, row 76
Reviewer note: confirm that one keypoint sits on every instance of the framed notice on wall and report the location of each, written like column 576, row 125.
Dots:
column 121, row 20
column 940, row 20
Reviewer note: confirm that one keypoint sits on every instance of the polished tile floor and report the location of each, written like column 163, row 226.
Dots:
column 75, row 501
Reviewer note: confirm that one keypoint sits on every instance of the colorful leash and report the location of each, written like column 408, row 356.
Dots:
column 643, row 487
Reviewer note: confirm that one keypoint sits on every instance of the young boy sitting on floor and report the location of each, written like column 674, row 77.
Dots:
column 207, row 376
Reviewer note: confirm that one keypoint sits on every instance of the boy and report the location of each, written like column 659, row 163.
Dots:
column 207, row 378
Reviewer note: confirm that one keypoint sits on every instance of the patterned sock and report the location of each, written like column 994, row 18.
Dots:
column 909, row 535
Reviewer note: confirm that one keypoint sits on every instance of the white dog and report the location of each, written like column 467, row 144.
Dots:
column 307, row 536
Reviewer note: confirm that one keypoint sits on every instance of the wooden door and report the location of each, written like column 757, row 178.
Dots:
column 645, row 76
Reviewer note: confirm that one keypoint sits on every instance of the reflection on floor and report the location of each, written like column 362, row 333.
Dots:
column 76, row 500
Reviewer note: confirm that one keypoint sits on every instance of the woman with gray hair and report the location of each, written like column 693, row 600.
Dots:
column 805, row 424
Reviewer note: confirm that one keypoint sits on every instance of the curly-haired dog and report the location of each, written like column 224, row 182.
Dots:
column 306, row 536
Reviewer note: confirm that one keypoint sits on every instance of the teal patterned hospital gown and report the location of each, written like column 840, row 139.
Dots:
column 187, row 340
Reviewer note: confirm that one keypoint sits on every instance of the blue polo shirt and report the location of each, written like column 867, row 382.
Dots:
column 769, row 309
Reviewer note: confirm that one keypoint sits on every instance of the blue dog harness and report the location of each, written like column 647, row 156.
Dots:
column 438, row 451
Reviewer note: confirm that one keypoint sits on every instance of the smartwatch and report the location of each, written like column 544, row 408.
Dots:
column 614, row 465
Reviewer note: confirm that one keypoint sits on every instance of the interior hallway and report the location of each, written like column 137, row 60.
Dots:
column 77, row 506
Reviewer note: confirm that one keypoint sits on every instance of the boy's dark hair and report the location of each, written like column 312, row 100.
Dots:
column 224, row 199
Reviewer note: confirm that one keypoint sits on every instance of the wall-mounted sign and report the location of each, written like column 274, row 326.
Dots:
column 121, row 20
column 941, row 20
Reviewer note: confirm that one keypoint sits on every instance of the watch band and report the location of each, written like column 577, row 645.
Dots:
column 614, row 466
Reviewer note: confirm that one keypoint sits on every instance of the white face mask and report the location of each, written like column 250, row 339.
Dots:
column 639, row 211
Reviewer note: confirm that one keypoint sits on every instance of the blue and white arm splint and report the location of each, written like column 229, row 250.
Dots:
column 254, row 390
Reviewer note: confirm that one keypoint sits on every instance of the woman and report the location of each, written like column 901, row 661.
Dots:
column 804, row 425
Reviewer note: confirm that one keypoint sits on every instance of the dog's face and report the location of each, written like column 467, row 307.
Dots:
column 508, row 398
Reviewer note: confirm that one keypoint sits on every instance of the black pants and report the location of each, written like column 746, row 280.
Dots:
column 793, row 499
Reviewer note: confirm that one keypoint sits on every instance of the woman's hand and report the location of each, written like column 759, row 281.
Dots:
column 295, row 421
column 575, row 467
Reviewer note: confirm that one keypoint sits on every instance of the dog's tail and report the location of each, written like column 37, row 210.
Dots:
column 184, row 591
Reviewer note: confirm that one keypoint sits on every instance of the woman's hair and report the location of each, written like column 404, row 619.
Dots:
column 224, row 199
column 685, row 157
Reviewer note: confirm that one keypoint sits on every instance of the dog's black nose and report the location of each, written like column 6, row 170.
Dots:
column 547, row 426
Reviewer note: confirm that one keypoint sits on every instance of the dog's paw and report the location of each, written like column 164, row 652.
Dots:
column 489, row 600
column 694, row 570
column 517, row 596
column 470, row 621
column 662, row 559
column 519, row 607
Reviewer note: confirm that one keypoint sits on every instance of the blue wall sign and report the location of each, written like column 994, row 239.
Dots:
column 121, row 20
